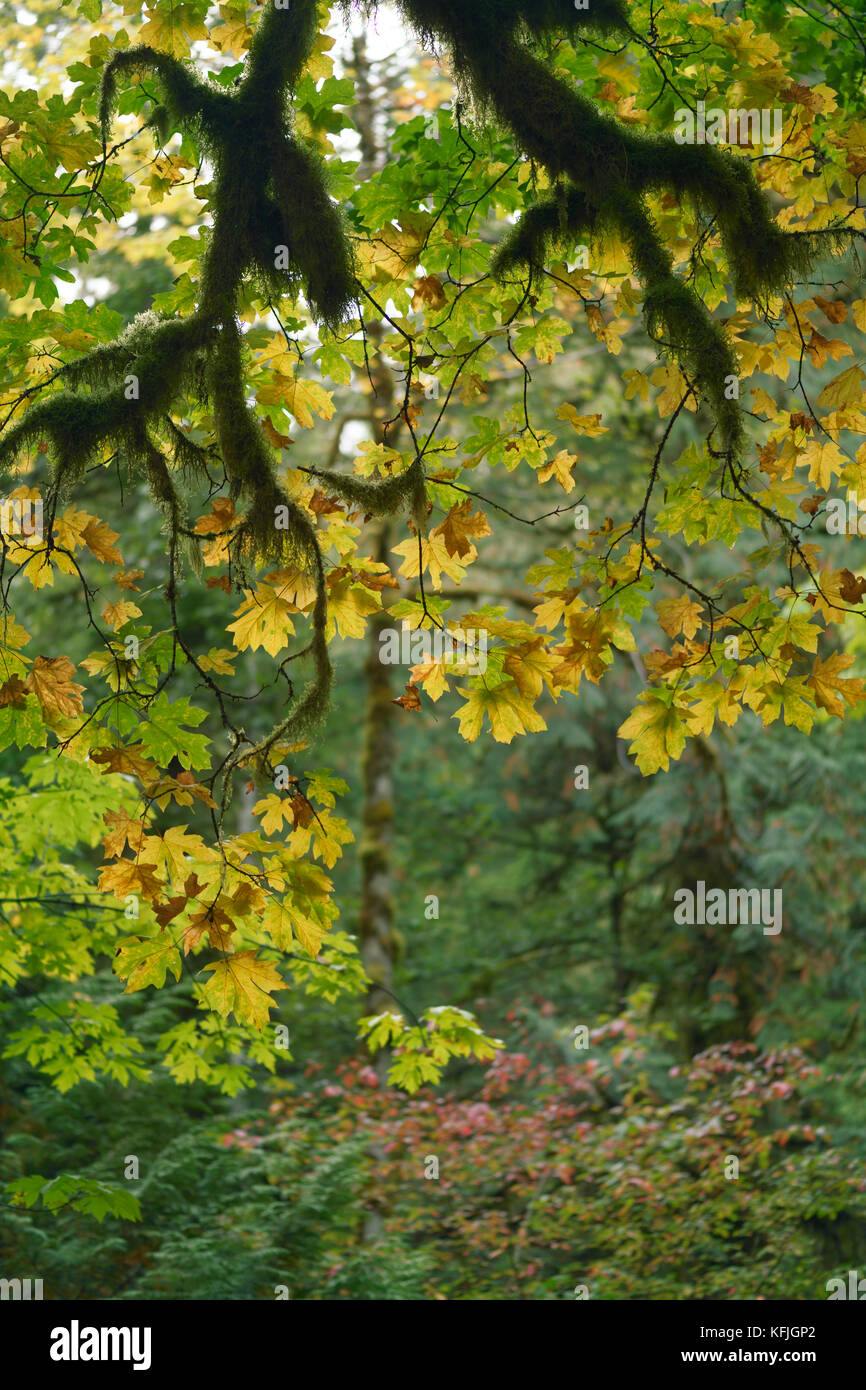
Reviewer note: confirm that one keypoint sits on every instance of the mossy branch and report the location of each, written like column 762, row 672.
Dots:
column 275, row 223
column 609, row 169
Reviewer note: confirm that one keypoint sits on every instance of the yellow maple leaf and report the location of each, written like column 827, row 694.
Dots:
column 349, row 606
column 172, row 852
column 674, row 388
column 51, row 682
column 509, row 712
column 586, row 424
column 299, row 398
column 392, row 254
column 233, row 36
column 100, row 542
column 117, row 614
column 219, row 661
column 242, row 984
column 263, row 620
column 172, row 31
column 274, row 810
column 559, row 468
column 657, row 732
column 679, row 614
column 325, row 835
column 832, row 691
column 433, row 678
column 433, row 557
column 844, row 390
column 636, row 383
column 824, row 460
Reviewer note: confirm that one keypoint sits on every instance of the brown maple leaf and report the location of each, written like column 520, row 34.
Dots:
column 411, row 701
column 51, row 682
column 13, row 692
column 459, row 526
column 302, row 811
column 852, row 587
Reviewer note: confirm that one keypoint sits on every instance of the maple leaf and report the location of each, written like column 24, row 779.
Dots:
column 166, row 31
column 843, row 390
column 120, row 613
column 301, row 810
column 279, row 441
column 274, row 810
column 124, row 830
column 349, row 605
column 560, row 468
column 584, row 424
column 824, row 461
column 530, row 666
column 509, row 712
column 459, row 525
column 100, row 542
column 220, row 518
column 323, row 505
column 657, row 731
column 128, row 579
column 14, row 692
column 183, row 788
column 411, row 700
column 243, row 984
column 832, row 691
column 219, row 661
column 428, row 290
column 300, row 398
column 393, row 253
column 679, row 614
column 127, row 876
column 820, row 349
column 671, row 379
column 170, row 852
column 167, row 911
column 213, row 923
column 128, row 759
column 434, row 557
column 263, row 619
column 835, row 310
column 235, row 35
column 326, row 834
column 147, row 962
column 852, row 587
column 50, row 680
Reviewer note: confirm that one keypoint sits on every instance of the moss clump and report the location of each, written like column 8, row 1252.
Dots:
column 271, row 210
column 604, row 170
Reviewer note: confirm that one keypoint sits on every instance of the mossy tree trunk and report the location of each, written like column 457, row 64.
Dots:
column 376, row 924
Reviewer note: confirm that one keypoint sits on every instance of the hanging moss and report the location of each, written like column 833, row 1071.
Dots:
column 603, row 170
column 271, row 192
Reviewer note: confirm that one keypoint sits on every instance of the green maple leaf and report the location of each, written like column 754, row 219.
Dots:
column 145, row 962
